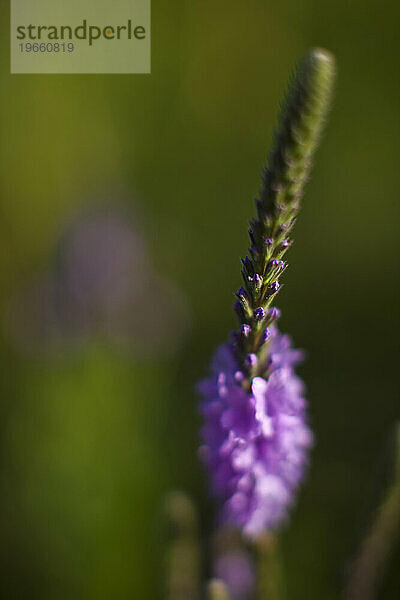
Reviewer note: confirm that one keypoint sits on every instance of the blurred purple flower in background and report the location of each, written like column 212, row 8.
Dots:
column 103, row 263
column 104, row 287
column 255, row 442
column 236, row 570
column 233, row 563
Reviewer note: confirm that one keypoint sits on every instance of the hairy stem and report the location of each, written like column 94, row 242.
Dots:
column 183, row 556
column 270, row 580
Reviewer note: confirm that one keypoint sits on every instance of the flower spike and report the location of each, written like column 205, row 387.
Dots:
column 256, row 438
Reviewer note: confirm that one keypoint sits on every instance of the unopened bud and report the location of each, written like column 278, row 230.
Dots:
column 273, row 287
column 242, row 294
column 274, row 314
column 251, row 361
column 257, row 279
column 248, row 266
column 245, row 330
column 259, row 313
column 266, row 334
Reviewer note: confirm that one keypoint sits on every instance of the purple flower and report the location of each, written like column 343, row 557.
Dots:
column 236, row 569
column 256, row 442
column 102, row 284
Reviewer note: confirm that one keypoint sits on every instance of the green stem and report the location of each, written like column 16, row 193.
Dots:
column 270, row 579
column 183, row 576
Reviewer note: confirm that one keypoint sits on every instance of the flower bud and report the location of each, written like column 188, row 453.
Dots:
column 242, row 295
column 239, row 310
column 257, row 280
column 248, row 266
column 250, row 361
column 273, row 314
column 273, row 287
column 245, row 330
column 259, row 313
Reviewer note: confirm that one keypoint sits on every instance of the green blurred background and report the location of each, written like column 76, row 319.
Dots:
column 92, row 438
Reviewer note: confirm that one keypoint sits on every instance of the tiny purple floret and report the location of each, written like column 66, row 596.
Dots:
column 241, row 293
column 245, row 330
column 251, row 361
column 274, row 313
column 259, row 313
column 266, row 334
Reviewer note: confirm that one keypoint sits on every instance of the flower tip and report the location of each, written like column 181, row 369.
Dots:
column 318, row 75
column 324, row 63
column 322, row 55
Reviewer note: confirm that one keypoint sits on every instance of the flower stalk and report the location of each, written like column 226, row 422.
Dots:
column 270, row 576
column 256, row 438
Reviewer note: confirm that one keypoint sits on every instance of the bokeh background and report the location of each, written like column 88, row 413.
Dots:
column 124, row 205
